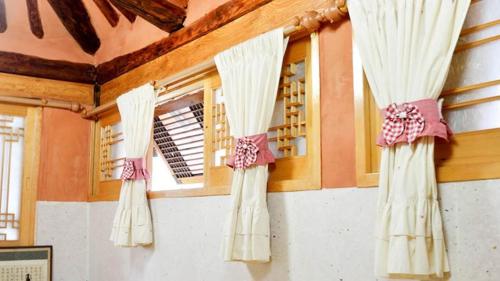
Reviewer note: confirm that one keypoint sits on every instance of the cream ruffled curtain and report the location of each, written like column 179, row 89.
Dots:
column 250, row 74
column 132, row 223
column 406, row 48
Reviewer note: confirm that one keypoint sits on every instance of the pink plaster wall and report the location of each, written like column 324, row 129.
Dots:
column 58, row 43
column 64, row 156
column 198, row 8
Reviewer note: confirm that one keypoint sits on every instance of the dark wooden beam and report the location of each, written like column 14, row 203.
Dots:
column 75, row 18
column 34, row 17
column 108, row 11
column 21, row 64
column 180, row 3
column 3, row 17
column 165, row 15
column 218, row 17
column 129, row 15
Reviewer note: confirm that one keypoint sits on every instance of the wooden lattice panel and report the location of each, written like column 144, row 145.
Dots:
column 222, row 140
column 11, row 138
column 287, row 127
column 111, row 156
column 292, row 92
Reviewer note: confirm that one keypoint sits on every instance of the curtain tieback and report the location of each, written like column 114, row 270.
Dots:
column 410, row 120
column 135, row 169
column 251, row 150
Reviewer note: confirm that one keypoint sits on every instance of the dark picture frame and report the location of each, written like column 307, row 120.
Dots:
column 24, row 254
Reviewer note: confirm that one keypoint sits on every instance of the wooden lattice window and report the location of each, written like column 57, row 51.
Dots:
column 112, row 151
column 19, row 157
column 294, row 133
column 192, row 141
column 471, row 107
column 109, row 155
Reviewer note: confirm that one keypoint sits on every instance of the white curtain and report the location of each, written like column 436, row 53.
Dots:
column 250, row 75
column 132, row 223
column 406, row 48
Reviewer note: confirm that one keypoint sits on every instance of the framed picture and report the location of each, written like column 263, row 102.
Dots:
column 26, row 263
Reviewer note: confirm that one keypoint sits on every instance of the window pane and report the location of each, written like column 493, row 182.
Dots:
column 472, row 95
column 11, row 168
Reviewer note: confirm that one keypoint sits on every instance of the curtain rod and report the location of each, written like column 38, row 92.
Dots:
column 73, row 106
column 311, row 21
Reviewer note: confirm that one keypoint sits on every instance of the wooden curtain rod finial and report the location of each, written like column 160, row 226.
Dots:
column 76, row 107
column 335, row 13
column 85, row 113
column 155, row 85
column 312, row 20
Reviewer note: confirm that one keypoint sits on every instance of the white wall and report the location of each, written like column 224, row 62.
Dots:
column 66, row 227
column 316, row 235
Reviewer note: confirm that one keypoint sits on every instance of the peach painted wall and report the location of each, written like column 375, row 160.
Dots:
column 64, row 156
column 337, row 106
column 58, row 43
column 198, row 8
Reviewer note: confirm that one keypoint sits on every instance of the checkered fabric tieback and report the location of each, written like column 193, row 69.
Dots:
column 128, row 170
column 245, row 153
column 405, row 118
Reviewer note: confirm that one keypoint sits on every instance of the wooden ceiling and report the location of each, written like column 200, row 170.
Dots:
column 72, row 16
column 167, row 15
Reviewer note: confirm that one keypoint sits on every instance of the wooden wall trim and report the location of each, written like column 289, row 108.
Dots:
column 32, row 87
column 216, row 18
column 21, row 64
column 267, row 17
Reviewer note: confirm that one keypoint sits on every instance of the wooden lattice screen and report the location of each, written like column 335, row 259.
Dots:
column 19, row 160
column 471, row 106
column 11, row 158
column 293, row 134
column 193, row 138
column 112, row 152
column 287, row 135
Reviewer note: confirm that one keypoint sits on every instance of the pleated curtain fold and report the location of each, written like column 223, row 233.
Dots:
column 132, row 222
column 406, row 48
column 250, row 75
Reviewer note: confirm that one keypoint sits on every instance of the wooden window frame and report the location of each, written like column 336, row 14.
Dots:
column 31, row 160
column 291, row 176
column 468, row 156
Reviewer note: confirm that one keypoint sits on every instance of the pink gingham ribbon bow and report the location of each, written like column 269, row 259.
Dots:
column 405, row 118
column 134, row 169
column 245, row 153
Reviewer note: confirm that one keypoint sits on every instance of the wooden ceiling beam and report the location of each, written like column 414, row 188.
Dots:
column 216, row 18
column 108, row 11
column 34, row 18
column 180, row 3
column 3, row 17
column 21, row 64
column 128, row 15
column 76, row 20
column 165, row 15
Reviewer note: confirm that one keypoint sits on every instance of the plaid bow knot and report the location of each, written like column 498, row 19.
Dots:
column 405, row 118
column 128, row 170
column 245, row 153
